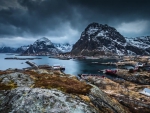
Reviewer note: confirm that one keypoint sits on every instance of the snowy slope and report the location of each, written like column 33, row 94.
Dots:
column 140, row 42
column 22, row 49
column 66, row 47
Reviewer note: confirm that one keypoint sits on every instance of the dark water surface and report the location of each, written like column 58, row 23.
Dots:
column 72, row 66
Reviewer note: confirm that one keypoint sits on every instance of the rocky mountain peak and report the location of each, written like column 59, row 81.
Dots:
column 42, row 46
column 96, row 30
column 42, row 42
column 101, row 39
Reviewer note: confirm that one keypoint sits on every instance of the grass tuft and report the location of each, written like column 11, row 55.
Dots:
column 9, row 86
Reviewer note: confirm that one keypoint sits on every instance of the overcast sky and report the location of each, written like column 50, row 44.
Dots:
column 24, row 21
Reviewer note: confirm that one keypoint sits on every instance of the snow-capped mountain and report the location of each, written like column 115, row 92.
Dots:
column 22, row 49
column 140, row 42
column 66, row 47
column 101, row 39
column 42, row 46
column 5, row 49
column 143, row 43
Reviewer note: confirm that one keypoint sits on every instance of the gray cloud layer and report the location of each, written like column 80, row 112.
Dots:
column 66, row 19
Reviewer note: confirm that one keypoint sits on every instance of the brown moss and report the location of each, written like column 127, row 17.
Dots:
column 4, row 72
column 57, row 72
column 66, row 84
column 9, row 86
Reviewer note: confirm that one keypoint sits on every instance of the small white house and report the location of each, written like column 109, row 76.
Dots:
column 146, row 91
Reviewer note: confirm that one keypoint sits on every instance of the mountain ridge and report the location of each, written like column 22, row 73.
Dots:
column 98, row 39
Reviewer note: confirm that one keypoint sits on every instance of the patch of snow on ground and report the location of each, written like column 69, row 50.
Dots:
column 64, row 47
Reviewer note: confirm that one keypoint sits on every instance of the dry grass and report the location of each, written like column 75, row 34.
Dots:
column 85, row 98
column 9, row 86
column 66, row 84
column 4, row 87
column 126, row 73
column 4, row 72
column 125, row 88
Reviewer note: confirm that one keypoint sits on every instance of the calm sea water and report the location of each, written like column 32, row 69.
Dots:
column 72, row 66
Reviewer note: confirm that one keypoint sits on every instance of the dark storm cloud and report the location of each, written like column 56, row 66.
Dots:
column 68, row 18
column 36, row 17
column 114, row 12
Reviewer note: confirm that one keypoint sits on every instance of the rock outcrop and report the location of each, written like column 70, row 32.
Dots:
column 36, row 100
column 24, row 97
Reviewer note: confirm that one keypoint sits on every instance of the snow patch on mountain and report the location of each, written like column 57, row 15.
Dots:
column 102, row 33
column 92, row 30
column 140, row 42
column 131, row 52
column 24, row 47
column 66, row 47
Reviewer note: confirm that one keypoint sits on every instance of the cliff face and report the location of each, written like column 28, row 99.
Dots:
column 98, row 39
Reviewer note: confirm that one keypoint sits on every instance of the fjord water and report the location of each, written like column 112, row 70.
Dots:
column 72, row 66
